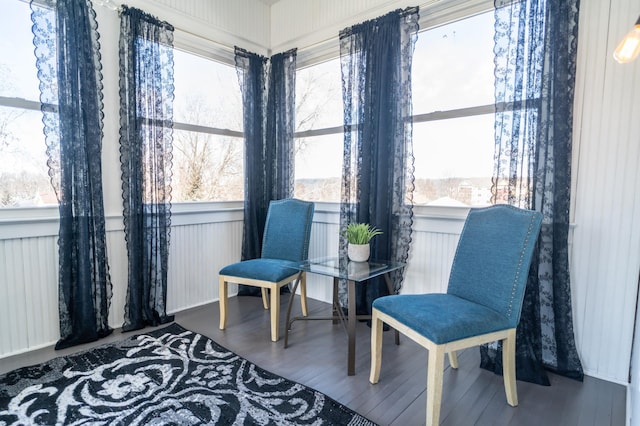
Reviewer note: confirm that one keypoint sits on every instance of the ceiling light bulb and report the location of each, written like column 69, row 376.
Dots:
column 629, row 47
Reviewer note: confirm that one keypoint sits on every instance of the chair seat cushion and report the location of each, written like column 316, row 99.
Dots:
column 272, row 270
column 441, row 318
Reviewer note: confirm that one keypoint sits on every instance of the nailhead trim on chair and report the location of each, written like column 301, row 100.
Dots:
column 513, row 288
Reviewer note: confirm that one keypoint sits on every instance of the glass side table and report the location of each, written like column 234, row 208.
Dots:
column 352, row 272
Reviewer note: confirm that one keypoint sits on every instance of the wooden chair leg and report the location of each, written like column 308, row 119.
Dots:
column 303, row 294
column 453, row 359
column 275, row 312
column 509, row 367
column 223, row 293
column 434, row 385
column 376, row 347
column 265, row 299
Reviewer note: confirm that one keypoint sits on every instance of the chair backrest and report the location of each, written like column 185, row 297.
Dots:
column 491, row 264
column 287, row 230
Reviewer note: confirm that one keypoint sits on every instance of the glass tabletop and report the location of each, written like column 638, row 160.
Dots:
column 343, row 268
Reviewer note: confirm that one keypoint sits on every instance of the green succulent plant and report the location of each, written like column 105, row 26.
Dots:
column 360, row 233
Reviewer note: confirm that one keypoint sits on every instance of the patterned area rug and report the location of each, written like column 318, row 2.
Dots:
column 167, row 376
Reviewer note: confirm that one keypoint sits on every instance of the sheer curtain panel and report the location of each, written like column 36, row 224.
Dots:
column 279, row 145
column 377, row 176
column 535, row 47
column 252, row 76
column 146, row 136
column 68, row 60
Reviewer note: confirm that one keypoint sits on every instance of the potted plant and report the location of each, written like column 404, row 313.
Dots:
column 359, row 236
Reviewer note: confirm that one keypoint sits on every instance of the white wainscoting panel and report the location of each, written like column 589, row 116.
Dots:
column 117, row 252
column 28, row 293
column 429, row 262
column 323, row 243
column 198, row 252
column 29, row 273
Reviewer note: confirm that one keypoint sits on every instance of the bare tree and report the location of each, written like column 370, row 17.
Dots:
column 7, row 138
column 206, row 166
column 21, row 188
column 8, row 115
column 23, row 180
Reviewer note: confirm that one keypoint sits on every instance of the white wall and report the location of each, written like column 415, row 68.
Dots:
column 606, row 245
column 606, row 255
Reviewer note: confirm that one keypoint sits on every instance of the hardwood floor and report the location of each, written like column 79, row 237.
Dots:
column 316, row 357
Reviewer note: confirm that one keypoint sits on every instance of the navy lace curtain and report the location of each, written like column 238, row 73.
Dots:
column 252, row 75
column 377, row 176
column 146, row 135
column 68, row 60
column 279, row 144
column 535, row 46
column 268, row 95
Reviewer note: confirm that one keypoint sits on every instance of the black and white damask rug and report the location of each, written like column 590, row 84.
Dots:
column 167, row 376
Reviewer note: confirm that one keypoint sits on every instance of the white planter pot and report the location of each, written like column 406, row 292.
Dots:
column 358, row 252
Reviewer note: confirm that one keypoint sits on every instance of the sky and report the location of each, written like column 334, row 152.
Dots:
column 453, row 68
column 17, row 59
column 213, row 86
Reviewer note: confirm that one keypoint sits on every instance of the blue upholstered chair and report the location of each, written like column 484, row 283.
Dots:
column 285, row 243
column 482, row 303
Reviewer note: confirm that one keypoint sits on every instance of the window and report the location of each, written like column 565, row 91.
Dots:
column 453, row 137
column 319, row 134
column 24, row 180
column 208, row 147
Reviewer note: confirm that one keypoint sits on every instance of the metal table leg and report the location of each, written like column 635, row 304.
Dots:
column 351, row 327
column 336, row 300
column 293, row 295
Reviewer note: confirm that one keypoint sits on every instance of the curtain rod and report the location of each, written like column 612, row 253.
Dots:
column 112, row 5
